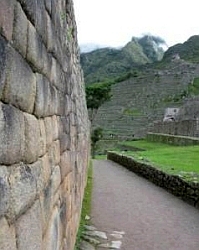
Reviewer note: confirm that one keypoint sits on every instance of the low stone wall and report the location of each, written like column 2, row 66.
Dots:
column 188, row 192
column 172, row 139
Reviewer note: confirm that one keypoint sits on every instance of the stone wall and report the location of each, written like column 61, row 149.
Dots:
column 177, row 140
column 44, row 129
column 187, row 191
column 183, row 127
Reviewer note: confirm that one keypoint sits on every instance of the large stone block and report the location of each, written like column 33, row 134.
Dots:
column 20, row 30
column 49, row 128
column 40, row 22
column 64, row 142
column 51, row 35
column 32, row 138
column 6, row 18
column 7, row 236
column 4, row 191
column 48, row 5
column 47, row 98
column 12, row 135
column 30, row 8
column 20, row 89
column 54, row 153
column 23, row 189
column 53, row 237
column 57, row 76
column 29, row 229
column 35, row 49
column 42, row 149
column 65, row 164
column 3, row 63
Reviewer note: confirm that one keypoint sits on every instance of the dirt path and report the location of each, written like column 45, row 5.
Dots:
column 151, row 218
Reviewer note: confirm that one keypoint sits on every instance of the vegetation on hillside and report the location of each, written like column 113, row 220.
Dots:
column 189, row 50
column 107, row 63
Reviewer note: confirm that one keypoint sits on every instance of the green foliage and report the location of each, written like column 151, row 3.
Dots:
column 97, row 94
column 86, row 205
column 132, row 112
column 193, row 89
column 96, row 135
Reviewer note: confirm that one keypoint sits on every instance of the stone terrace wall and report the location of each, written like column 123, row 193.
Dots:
column 43, row 126
column 184, row 127
column 188, row 192
column 178, row 140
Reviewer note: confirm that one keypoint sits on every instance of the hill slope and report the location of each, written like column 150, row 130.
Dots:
column 109, row 63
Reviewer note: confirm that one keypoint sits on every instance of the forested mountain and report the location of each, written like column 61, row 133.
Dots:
column 106, row 63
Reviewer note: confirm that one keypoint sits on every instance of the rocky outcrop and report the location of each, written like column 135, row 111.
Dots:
column 44, row 129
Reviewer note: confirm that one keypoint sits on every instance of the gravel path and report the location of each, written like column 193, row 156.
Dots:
column 151, row 218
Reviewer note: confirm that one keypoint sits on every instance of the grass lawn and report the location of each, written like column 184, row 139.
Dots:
column 180, row 160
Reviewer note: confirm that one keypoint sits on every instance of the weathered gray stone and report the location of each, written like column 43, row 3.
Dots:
column 54, row 153
column 57, row 75
column 6, row 18
column 39, row 175
column 12, row 131
column 30, row 8
column 32, row 138
column 43, row 97
column 40, row 22
column 3, row 63
column 65, row 164
column 46, row 168
column 49, row 128
column 55, row 130
column 23, row 189
column 29, row 229
column 51, row 35
column 35, row 49
column 4, row 191
column 55, row 179
column 84, row 245
column 20, row 89
column 7, row 236
column 97, row 234
column 42, row 149
column 91, row 240
column 64, row 142
column 20, row 30
column 53, row 236
column 48, row 5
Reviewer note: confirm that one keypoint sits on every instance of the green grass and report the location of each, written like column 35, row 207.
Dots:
column 86, row 205
column 100, row 157
column 178, row 160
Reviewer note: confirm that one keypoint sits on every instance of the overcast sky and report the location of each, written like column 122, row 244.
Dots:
column 114, row 22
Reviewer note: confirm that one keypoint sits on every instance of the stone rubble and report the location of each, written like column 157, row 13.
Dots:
column 93, row 239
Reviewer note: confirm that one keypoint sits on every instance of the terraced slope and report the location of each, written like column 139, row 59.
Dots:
column 139, row 101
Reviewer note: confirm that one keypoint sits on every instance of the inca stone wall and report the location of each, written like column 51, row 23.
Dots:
column 43, row 126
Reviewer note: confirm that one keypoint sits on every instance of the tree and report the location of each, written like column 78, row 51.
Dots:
column 96, row 95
